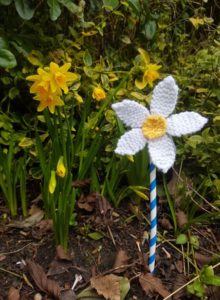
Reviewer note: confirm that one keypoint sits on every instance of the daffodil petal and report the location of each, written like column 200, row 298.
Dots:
column 162, row 152
column 65, row 67
column 41, row 106
column 54, row 67
column 140, row 84
column 51, row 108
column 144, row 55
column 131, row 142
column 185, row 123
column 33, row 77
column 71, row 76
column 131, row 113
column 164, row 97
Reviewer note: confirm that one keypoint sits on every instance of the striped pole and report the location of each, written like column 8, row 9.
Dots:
column 153, row 217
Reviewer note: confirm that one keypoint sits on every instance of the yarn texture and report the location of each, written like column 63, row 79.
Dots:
column 161, row 147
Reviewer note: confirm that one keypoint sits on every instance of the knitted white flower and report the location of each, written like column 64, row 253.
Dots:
column 155, row 127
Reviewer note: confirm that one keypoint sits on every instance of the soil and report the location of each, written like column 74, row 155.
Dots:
column 125, row 228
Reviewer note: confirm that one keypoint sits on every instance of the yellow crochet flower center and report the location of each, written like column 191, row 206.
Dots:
column 154, row 127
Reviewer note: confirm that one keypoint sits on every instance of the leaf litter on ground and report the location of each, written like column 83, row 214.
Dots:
column 41, row 280
column 111, row 287
column 13, row 294
column 121, row 260
column 152, row 284
column 30, row 221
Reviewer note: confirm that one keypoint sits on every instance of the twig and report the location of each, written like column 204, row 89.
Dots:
column 15, row 251
column 10, row 272
column 111, row 235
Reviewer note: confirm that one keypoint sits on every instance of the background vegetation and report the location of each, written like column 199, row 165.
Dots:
column 102, row 41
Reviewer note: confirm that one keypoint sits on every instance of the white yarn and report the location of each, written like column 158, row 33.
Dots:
column 162, row 150
column 131, row 142
column 131, row 113
column 164, row 97
column 185, row 123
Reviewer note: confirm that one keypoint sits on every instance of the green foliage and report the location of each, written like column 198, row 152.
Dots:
column 101, row 40
column 206, row 277
column 59, row 200
column 12, row 174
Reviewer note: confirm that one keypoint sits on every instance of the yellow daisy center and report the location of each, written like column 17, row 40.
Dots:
column 154, row 127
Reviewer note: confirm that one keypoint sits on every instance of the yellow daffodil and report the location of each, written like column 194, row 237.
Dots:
column 197, row 22
column 59, row 76
column 150, row 71
column 53, row 182
column 61, row 170
column 98, row 93
column 39, row 85
column 49, row 83
column 48, row 100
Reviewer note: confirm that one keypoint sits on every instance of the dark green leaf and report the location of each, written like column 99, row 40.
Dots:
column 150, row 29
column 111, row 3
column 72, row 7
column 13, row 92
column 87, row 58
column 135, row 4
column 24, row 9
column 7, row 59
column 3, row 43
column 55, row 10
column 5, row 2
column 181, row 239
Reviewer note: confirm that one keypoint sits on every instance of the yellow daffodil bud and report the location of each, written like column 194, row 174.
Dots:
column 98, row 93
column 53, row 182
column 61, row 170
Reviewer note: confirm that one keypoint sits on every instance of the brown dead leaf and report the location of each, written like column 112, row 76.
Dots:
column 42, row 282
column 2, row 257
column 108, row 286
column 61, row 254
column 151, row 284
column 87, row 202
column 94, row 200
column 68, row 295
column 13, row 294
column 81, row 183
column 28, row 222
column 33, row 209
column 42, row 228
column 179, row 266
column 173, row 185
column 58, row 267
column 180, row 280
column 121, row 259
column 202, row 259
column 102, row 205
column 181, row 218
column 165, row 223
column 213, row 292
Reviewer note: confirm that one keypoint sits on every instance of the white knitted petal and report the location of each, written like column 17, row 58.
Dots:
column 185, row 123
column 162, row 152
column 164, row 97
column 131, row 113
column 131, row 142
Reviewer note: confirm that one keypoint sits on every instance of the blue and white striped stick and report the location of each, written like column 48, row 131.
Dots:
column 153, row 217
